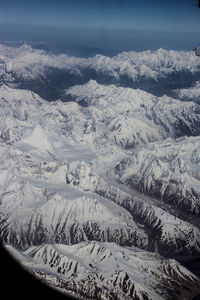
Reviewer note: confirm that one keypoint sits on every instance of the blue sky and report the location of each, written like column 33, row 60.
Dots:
column 159, row 18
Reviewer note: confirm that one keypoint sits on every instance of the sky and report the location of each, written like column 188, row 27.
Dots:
column 103, row 23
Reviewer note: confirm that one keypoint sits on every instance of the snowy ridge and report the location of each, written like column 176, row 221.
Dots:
column 41, row 213
column 189, row 94
column 102, row 265
column 134, row 117
column 162, row 228
column 99, row 194
column 59, row 221
column 149, row 70
column 171, row 175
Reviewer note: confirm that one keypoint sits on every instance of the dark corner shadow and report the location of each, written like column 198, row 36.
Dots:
column 17, row 282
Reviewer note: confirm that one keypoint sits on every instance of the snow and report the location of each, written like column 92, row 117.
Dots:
column 86, row 180
column 176, row 162
column 37, row 139
column 189, row 94
column 29, row 65
column 85, row 259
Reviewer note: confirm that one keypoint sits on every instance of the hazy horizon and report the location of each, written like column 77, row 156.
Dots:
column 110, row 40
column 113, row 25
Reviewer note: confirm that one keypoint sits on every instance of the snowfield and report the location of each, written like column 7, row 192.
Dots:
column 100, row 171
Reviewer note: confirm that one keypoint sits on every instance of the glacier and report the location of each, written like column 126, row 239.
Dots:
column 100, row 171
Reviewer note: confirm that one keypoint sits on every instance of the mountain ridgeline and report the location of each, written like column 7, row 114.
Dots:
column 100, row 171
column 158, row 72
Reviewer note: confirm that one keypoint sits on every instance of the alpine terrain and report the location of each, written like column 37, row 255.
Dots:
column 100, row 171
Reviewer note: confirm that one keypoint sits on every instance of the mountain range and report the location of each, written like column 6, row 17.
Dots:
column 100, row 171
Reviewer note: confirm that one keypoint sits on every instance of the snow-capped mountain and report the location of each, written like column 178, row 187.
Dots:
column 136, row 117
column 168, row 171
column 189, row 94
column 113, row 272
column 158, row 72
column 99, row 193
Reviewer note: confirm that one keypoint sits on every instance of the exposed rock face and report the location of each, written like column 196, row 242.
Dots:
column 95, row 270
column 171, row 175
column 158, row 72
column 99, row 195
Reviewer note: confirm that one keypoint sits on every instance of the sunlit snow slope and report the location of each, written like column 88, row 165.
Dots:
column 100, row 187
